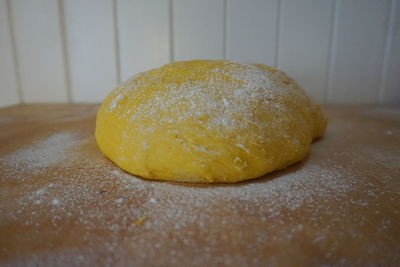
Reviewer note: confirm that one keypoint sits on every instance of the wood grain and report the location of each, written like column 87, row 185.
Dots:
column 338, row 206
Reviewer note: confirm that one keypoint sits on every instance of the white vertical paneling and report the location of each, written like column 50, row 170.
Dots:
column 391, row 72
column 305, row 30
column 143, row 28
column 8, row 77
column 337, row 50
column 359, row 40
column 39, row 50
column 89, row 27
column 198, row 29
column 252, row 31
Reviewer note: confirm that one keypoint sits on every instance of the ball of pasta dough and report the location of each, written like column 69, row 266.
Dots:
column 207, row 121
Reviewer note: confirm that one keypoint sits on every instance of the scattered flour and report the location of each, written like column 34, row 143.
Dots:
column 152, row 216
column 5, row 120
column 389, row 159
column 323, row 203
column 238, row 92
column 44, row 153
column 55, row 202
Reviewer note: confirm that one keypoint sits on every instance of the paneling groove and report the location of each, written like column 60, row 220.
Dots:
column 64, row 44
column 225, row 25
column 171, row 30
column 390, row 77
column 14, row 52
column 116, row 41
column 277, row 32
column 9, row 91
column 331, row 50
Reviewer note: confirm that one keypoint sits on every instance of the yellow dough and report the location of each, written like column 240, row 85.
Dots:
column 207, row 121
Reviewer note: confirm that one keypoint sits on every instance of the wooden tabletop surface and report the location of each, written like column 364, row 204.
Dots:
column 62, row 203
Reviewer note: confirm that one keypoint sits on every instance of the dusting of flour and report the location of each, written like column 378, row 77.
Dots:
column 43, row 153
column 229, row 98
column 72, row 207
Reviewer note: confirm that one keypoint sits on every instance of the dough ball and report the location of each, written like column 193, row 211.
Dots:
column 207, row 121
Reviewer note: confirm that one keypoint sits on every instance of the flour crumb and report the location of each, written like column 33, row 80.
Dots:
column 55, row 202
column 119, row 200
column 152, row 200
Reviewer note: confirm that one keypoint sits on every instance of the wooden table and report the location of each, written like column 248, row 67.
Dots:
column 63, row 203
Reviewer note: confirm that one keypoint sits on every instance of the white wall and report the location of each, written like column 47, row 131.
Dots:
column 340, row 51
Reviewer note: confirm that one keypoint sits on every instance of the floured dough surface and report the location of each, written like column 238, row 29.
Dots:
column 207, row 121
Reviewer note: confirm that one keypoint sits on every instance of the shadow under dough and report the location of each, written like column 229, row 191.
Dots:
column 262, row 179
